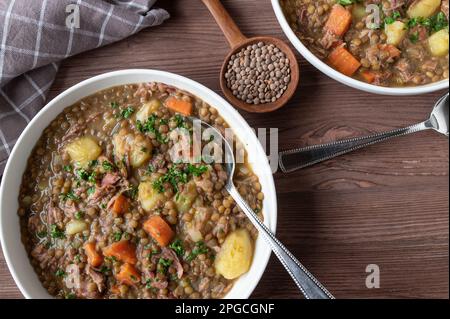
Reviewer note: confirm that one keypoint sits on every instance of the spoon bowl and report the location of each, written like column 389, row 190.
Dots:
column 292, row 160
column 439, row 116
column 310, row 287
column 237, row 42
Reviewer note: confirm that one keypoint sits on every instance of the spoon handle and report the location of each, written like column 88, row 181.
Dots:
column 295, row 159
column 225, row 22
column 308, row 285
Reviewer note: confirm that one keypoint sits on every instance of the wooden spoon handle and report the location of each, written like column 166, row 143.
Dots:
column 225, row 22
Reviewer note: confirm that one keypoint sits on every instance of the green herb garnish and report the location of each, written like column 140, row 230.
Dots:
column 164, row 264
column 132, row 192
column 70, row 195
column 126, row 113
column 93, row 163
column 91, row 190
column 56, row 233
column 60, row 273
column 117, row 236
column 177, row 246
column 199, row 249
column 79, row 215
column 149, row 126
column 107, row 166
column 70, row 295
column 414, row 37
column 197, row 171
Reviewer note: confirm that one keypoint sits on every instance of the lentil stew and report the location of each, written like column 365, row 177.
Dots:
column 106, row 213
column 392, row 43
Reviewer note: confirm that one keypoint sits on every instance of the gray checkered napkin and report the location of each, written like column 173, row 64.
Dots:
column 36, row 34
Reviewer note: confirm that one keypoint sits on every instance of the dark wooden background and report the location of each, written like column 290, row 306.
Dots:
column 386, row 205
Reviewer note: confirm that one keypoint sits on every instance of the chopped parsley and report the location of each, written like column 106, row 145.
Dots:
column 126, row 113
column 164, row 264
column 132, row 192
column 148, row 283
column 114, row 105
column 55, row 232
column 177, row 247
column 176, row 176
column 60, row 273
column 414, row 37
column 87, row 176
column 70, row 195
column 391, row 19
column 91, row 190
column 438, row 22
column 79, row 215
column 107, row 166
column 348, row 2
column 67, row 168
column 199, row 249
column 150, row 169
column 104, row 269
column 433, row 24
column 197, row 171
column 180, row 122
column 149, row 126
column 70, row 295
column 117, row 236
column 93, row 163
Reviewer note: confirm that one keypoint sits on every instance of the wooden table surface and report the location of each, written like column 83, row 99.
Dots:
column 386, row 205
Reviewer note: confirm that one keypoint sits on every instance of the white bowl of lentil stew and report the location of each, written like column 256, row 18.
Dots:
column 407, row 54
column 98, row 225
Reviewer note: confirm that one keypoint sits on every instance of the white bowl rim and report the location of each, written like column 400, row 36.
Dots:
column 332, row 73
column 262, row 249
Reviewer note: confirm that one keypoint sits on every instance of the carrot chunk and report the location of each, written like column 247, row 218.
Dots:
column 339, row 20
column 120, row 205
column 180, row 106
column 159, row 230
column 343, row 61
column 369, row 76
column 94, row 258
column 122, row 250
column 128, row 275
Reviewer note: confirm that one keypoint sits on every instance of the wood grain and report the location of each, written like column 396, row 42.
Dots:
column 386, row 205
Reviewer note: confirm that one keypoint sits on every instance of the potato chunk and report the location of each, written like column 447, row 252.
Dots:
column 75, row 226
column 395, row 32
column 147, row 110
column 186, row 198
column 137, row 148
column 149, row 197
column 423, row 8
column 235, row 255
column 83, row 150
column 438, row 43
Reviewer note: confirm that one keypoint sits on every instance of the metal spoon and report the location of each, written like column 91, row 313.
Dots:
column 310, row 287
column 295, row 159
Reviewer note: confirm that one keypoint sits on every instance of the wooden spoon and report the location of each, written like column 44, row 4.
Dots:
column 238, row 41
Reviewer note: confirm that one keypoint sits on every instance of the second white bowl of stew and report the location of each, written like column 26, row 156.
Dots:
column 94, row 206
column 393, row 47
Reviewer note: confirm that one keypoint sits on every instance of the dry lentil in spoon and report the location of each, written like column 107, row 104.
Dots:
column 258, row 74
